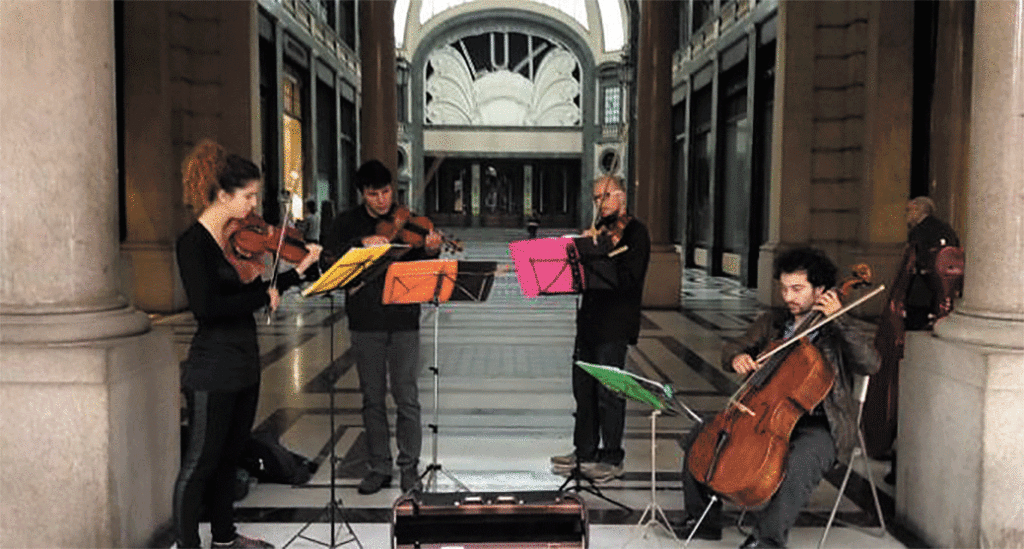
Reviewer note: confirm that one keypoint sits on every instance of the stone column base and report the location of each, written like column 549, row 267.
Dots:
column 961, row 443
column 664, row 277
column 90, row 441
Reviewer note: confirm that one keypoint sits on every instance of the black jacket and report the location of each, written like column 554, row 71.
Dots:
column 927, row 238
column 614, row 314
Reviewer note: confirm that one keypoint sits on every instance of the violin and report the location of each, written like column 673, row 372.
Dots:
column 402, row 226
column 609, row 231
column 251, row 237
column 741, row 453
column 613, row 226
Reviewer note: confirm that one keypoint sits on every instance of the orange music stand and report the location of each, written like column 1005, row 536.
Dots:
column 436, row 281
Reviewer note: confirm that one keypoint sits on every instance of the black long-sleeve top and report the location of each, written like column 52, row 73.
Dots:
column 364, row 307
column 224, row 355
column 614, row 314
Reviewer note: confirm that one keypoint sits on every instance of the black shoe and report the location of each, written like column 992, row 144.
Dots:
column 754, row 543
column 411, row 480
column 710, row 530
column 373, row 482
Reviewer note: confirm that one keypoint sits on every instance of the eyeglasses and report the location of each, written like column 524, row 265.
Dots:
column 600, row 197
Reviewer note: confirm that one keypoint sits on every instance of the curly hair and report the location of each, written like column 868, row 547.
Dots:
column 207, row 169
column 821, row 272
column 199, row 172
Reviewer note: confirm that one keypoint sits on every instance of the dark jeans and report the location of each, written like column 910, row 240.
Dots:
column 600, row 413
column 812, row 452
column 382, row 357
column 219, row 425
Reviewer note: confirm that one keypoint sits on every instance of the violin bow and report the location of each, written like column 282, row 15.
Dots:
column 277, row 253
column 821, row 323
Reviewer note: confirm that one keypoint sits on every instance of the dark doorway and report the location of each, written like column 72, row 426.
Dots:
column 502, row 192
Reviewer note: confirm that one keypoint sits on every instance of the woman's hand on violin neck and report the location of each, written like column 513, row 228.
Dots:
column 432, row 242
column 312, row 257
column 744, row 364
column 374, row 240
column 828, row 303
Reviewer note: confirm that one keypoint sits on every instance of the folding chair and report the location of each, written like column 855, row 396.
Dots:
column 860, row 391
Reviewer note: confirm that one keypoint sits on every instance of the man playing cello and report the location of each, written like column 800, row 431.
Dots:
column 805, row 276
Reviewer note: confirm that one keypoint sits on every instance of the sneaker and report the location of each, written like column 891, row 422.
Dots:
column 242, row 542
column 411, row 480
column 373, row 482
column 709, row 530
column 601, row 472
column 568, row 460
column 563, row 470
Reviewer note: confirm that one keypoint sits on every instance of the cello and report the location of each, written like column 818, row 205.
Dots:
column 741, row 454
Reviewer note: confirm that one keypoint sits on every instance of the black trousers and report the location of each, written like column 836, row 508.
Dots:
column 219, row 424
column 812, row 451
column 600, row 413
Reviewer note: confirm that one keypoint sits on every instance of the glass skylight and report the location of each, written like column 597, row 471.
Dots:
column 611, row 16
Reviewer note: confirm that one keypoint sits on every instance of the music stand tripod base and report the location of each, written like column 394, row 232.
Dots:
column 572, row 483
column 653, row 516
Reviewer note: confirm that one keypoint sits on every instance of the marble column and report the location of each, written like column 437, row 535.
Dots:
column 378, row 119
column 961, row 430
column 652, row 188
column 88, row 392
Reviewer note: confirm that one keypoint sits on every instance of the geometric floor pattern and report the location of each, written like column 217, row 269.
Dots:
column 504, row 406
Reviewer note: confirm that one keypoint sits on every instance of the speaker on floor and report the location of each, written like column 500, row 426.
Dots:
column 547, row 519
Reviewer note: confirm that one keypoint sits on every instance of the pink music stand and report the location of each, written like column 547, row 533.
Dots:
column 547, row 266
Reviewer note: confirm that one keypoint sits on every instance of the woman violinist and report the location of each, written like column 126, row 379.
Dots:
column 806, row 276
column 222, row 372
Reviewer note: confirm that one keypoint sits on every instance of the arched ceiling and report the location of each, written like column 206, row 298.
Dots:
column 602, row 21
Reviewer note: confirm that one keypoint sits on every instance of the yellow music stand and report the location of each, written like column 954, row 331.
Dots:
column 356, row 266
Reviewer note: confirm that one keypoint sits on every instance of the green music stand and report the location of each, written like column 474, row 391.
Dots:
column 662, row 399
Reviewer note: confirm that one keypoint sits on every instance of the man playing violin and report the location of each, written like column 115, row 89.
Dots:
column 607, row 322
column 385, row 338
column 806, row 277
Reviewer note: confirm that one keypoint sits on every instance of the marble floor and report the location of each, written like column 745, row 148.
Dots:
column 504, row 406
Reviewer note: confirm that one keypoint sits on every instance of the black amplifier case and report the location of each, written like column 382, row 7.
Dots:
column 490, row 520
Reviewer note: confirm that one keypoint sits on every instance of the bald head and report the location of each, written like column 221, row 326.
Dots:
column 609, row 195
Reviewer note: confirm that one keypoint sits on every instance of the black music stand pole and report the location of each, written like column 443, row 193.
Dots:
column 429, row 476
column 333, row 508
column 353, row 268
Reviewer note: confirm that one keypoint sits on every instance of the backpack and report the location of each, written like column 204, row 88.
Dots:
column 269, row 461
